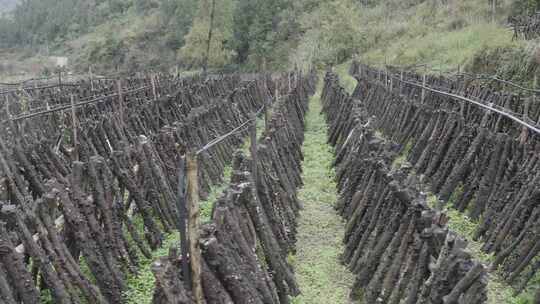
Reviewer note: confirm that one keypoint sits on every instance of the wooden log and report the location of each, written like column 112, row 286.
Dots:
column 74, row 129
column 253, row 147
column 193, row 226
column 13, row 263
column 182, row 221
column 6, row 294
column 464, row 284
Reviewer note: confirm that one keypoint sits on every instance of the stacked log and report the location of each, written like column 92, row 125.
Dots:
column 252, row 232
column 108, row 197
column 525, row 26
column 399, row 248
column 483, row 164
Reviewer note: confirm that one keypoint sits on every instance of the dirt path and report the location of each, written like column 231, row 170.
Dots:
column 322, row 278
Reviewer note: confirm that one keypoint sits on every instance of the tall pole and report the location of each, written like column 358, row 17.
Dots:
column 74, row 129
column 182, row 227
column 91, row 78
column 193, row 227
column 208, row 41
column 153, row 81
column 120, row 100
column 253, row 147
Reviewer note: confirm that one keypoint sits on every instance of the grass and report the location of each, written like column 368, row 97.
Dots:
column 321, row 277
column 141, row 286
column 207, row 205
column 402, row 157
column 443, row 52
column 442, row 36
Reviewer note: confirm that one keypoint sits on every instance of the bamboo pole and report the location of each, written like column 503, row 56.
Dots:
column 193, row 227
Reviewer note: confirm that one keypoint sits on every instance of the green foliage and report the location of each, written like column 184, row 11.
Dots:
column 141, row 285
column 331, row 33
column 402, row 157
column 194, row 51
column 255, row 29
column 346, row 80
column 527, row 7
column 120, row 35
column 207, row 205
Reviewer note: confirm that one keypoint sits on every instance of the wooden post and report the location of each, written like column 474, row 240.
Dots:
column 120, row 100
column 74, row 128
column 266, row 114
column 91, row 78
column 535, row 85
column 7, row 106
column 423, row 90
column 193, row 227
column 289, row 82
column 182, row 228
column 253, row 147
column 401, row 83
column 153, row 86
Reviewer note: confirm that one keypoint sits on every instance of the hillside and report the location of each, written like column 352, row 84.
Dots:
column 130, row 35
column 464, row 35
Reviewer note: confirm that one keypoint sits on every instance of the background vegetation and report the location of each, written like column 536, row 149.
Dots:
column 135, row 35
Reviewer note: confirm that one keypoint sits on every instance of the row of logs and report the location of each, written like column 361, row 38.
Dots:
column 526, row 27
column 480, row 164
column 523, row 106
column 106, row 200
column 25, row 99
column 400, row 249
column 252, row 231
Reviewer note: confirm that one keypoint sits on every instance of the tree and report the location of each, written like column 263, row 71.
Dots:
column 196, row 41
column 255, row 25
